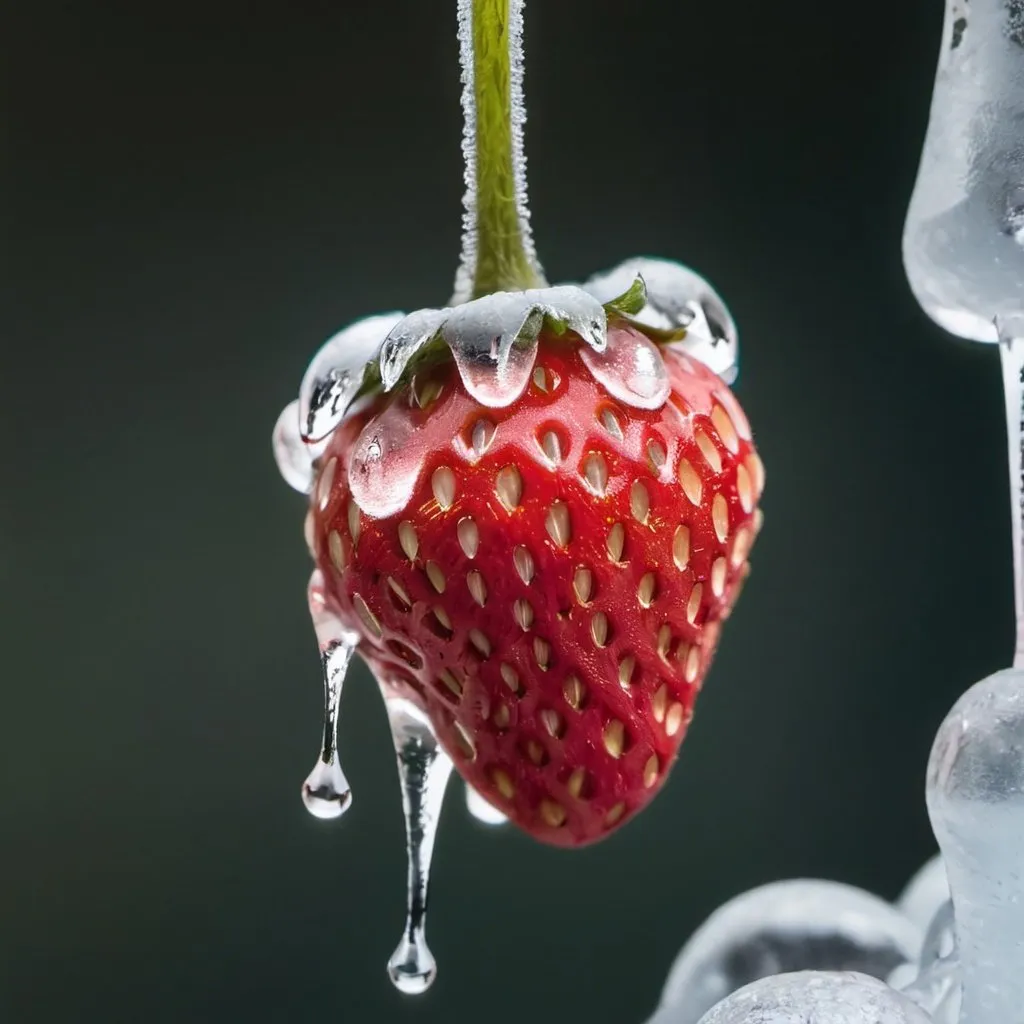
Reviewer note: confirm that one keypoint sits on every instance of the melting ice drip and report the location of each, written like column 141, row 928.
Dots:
column 424, row 769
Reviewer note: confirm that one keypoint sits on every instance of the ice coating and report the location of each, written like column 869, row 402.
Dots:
column 326, row 792
column 801, row 924
column 423, row 771
column 678, row 297
column 479, row 808
column 405, row 339
column 925, row 893
column 631, row 369
column 467, row 264
column 975, row 794
column 963, row 244
column 494, row 338
column 337, row 372
column 296, row 459
column 815, row 997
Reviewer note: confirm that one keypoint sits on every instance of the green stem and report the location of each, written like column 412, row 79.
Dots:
column 497, row 248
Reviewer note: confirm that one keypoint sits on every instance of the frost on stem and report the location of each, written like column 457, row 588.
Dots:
column 497, row 243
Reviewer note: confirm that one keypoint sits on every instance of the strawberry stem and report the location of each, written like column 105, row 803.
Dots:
column 497, row 244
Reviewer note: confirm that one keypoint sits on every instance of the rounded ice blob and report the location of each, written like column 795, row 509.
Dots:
column 815, row 997
column 802, row 924
column 975, row 793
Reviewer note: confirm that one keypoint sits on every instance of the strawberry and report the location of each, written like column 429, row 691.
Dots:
column 547, row 579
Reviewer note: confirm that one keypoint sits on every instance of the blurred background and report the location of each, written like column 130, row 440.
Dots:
column 194, row 196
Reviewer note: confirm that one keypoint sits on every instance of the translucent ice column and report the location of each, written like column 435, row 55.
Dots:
column 975, row 795
column 964, row 241
column 963, row 244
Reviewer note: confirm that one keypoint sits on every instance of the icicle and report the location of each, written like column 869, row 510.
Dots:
column 1011, row 351
column 326, row 792
column 423, row 770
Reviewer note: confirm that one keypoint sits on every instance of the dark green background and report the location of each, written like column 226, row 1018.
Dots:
column 196, row 195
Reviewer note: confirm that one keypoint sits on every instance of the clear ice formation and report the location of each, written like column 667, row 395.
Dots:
column 963, row 244
column 337, row 373
column 483, row 811
column 678, row 297
column 1011, row 352
column 326, row 792
column 925, row 893
column 975, row 795
column 423, row 770
column 296, row 458
column 798, row 925
column 817, row 997
column 968, row 964
column 493, row 340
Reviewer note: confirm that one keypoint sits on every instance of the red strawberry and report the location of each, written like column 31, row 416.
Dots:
column 553, row 592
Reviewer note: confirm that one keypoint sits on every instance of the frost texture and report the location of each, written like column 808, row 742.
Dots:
column 804, row 924
column 467, row 265
column 963, row 244
column 678, row 297
column 813, row 997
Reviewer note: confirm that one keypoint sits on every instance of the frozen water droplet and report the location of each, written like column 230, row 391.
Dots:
column 296, row 459
column 484, row 812
column 630, row 369
column 813, row 997
column 961, row 245
column 494, row 342
column 975, row 792
column 337, row 372
column 494, row 338
column 794, row 925
column 678, row 297
column 326, row 792
column 405, row 339
column 925, row 893
column 387, row 460
column 423, row 770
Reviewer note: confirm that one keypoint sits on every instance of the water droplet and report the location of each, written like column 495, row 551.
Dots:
column 336, row 374
column 479, row 808
column 326, row 792
column 295, row 458
column 631, row 369
column 423, row 771
column 386, row 462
